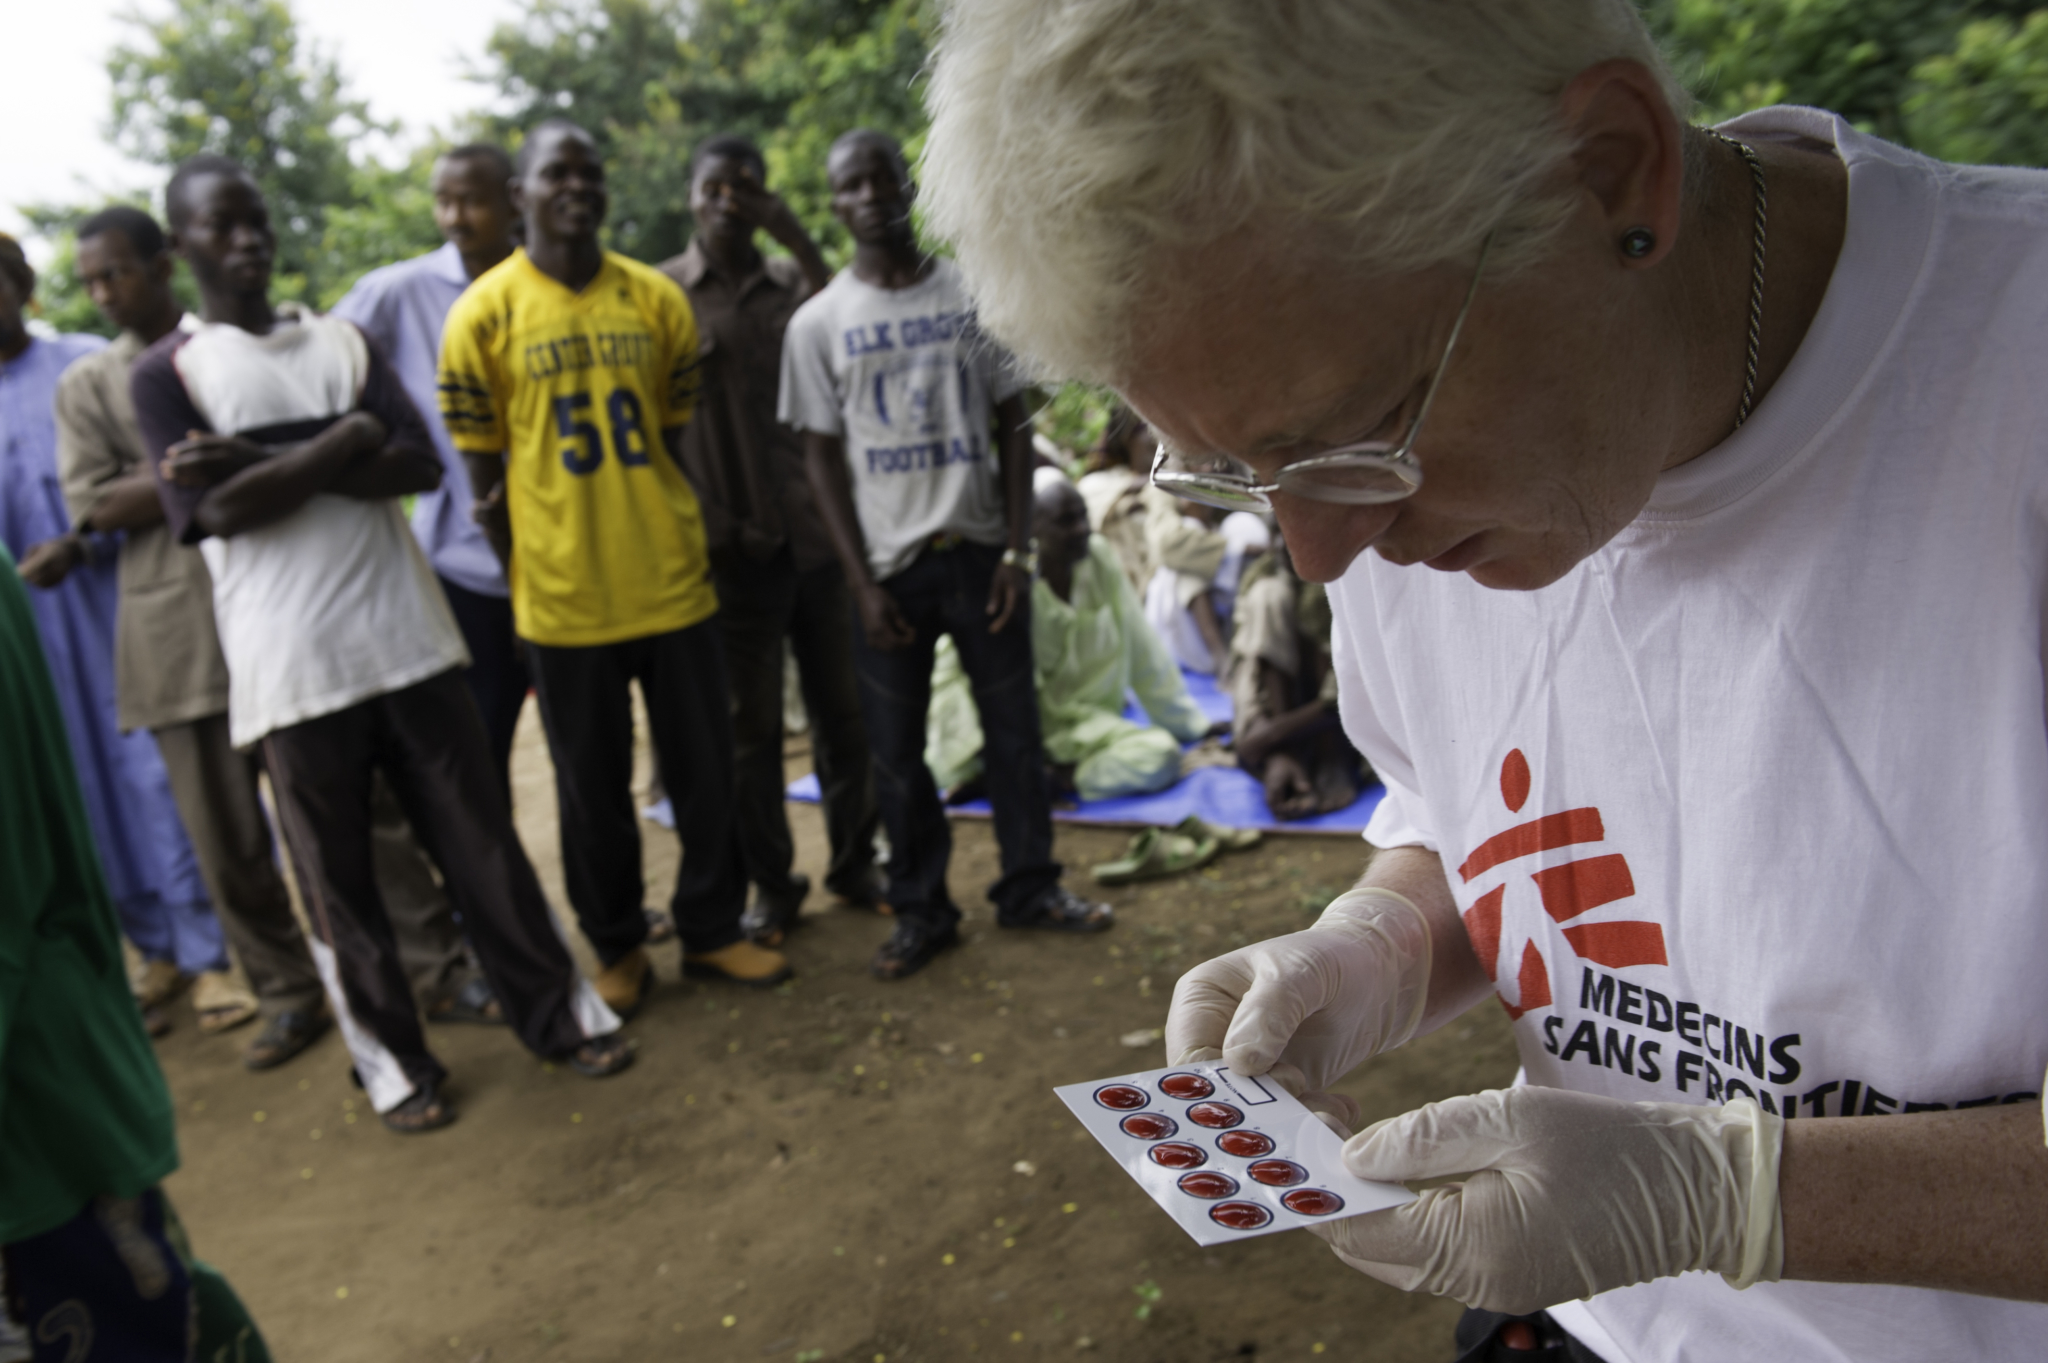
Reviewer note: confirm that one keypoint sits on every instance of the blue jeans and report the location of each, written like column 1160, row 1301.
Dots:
column 945, row 591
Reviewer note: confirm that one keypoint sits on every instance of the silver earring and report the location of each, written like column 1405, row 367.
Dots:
column 1638, row 242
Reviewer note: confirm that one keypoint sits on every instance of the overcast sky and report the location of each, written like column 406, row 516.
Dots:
column 404, row 56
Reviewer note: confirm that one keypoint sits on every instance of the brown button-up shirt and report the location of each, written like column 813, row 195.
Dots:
column 168, row 667
column 747, row 467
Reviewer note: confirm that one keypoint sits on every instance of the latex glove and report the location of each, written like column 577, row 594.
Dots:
column 1574, row 1194
column 1324, row 1000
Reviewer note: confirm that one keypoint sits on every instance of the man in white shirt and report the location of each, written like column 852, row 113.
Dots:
column 282, row 442
column 1713, row 735
column 898, row 395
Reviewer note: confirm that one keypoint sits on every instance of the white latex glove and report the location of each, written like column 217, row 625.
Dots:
column 1323, row 1000
column 1574, row 1194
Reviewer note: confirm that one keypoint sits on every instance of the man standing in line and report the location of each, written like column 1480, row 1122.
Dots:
column 567, row 373
column 897, row 392
column 776, row 575
column 170, row 676
column 149, row 864
column 402, row 308
column 284, row 441
column 95, row 1263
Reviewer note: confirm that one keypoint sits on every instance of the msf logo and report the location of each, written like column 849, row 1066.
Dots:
column 1568, row 891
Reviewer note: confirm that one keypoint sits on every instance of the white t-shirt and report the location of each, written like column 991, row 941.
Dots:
column 909, row 382
column 334, row 603
column 1755, row 799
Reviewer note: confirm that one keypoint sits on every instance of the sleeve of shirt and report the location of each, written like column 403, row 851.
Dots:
column 681, row 369
column 1372, row 719
column 165, row 413
column 89, row 455
column 809, row 397
column 468, row 408
column 385, row 398
column 363, row 306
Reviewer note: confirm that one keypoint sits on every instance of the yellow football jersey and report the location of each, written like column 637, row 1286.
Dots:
column 576, row 389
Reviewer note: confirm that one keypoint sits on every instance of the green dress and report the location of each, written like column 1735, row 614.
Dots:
column 83, row 1107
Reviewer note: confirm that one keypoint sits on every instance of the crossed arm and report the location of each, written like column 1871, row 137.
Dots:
column 251, row 486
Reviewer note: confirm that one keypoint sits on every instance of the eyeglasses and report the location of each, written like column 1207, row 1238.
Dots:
column 1366, row 473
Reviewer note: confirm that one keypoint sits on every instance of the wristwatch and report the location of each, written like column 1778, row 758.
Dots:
column 1027, row 559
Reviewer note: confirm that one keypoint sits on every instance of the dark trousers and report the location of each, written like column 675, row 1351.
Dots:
column 945, row 591
column 118, row 1284
column 587, row 710
column 760, row 605
column 429, row 743
column 497, row 671
column 218, row 800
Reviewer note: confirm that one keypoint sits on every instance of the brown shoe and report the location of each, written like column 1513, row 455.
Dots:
column 740, row 963
column 625, row 984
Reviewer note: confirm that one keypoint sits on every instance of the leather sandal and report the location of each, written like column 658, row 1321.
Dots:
column 283, row 1037
column 1059, row 909
column 911, row 947
column 604, row 1056
column 426, row 1110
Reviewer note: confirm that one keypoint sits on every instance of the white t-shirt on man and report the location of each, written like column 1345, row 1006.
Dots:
column 1754, row 801
column 908, row 381
column 334, row 603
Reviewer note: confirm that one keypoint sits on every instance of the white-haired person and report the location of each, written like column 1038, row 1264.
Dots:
column 1704, row 475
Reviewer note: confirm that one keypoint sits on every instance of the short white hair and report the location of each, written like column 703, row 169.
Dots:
column 1076, row 145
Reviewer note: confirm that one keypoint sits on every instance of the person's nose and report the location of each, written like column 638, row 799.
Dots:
column 1325, row 537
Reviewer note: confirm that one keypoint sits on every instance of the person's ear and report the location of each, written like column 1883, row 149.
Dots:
column 1629, row 156
column 163, row 265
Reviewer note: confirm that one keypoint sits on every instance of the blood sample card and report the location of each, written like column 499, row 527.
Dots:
column 1229, row 1156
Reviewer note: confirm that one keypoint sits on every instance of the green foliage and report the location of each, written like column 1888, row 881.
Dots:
column 391, row 218
column 231, row 77
column 1963, row 80
column 1987, row 101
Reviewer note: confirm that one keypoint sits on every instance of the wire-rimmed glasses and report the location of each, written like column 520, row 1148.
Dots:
column 1366, row 473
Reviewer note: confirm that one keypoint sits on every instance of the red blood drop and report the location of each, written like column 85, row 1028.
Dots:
column 1214, row 1115
column 1312, row 1202
column 1514, row 781
column 1186, row 1087
column 1207, row 1183
column 1122, row 1097
column 1179, row 1155
column 1240, row 1215
column 1149, row 1126
column 1278, row 1173
column 1245, row 1144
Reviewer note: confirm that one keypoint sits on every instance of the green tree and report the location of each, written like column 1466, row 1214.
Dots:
column 1986, row 102
column 233, row 77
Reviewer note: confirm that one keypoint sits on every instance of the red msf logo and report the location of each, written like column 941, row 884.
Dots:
column 1568, row 891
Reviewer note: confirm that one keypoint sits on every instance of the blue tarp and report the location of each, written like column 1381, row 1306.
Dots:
column 1222, row 795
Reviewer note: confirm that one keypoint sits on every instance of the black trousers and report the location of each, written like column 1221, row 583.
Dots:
column 429, row 743
column 497, row 672
column 587, row 709
column 759, row 605
column 945, row 591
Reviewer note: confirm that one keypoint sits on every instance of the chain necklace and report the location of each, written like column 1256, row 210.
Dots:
column 1756, row 274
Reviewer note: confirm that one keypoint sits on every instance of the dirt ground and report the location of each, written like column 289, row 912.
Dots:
column 837, row 1170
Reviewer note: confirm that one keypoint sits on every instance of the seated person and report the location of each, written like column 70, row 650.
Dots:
column 1283, row 693
column 1090, row 648
column 1202, row 555
column 1114, row 486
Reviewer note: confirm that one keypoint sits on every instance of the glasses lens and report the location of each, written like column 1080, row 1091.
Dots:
column 1358, row 479
column 1209, row 490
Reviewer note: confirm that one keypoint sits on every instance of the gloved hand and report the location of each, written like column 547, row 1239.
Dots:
column 1324, row 1000
column 1574, row 1194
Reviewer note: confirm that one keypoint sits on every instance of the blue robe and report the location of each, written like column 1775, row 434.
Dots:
column 151, row 869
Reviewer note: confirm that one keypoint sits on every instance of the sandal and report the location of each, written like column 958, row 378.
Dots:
column 424, row 1111
column 604, row 1056
column 911, row 947
column 1156, row 853
column 220, row 1003
column 1059, row 909
column 661, row 926
column 1227, row 839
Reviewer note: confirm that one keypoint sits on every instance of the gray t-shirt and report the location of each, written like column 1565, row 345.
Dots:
column 908, row 381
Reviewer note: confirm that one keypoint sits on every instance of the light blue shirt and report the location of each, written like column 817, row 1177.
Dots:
column 402, row 307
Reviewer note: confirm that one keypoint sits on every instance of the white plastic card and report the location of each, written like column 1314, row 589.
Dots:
column 1227, row 1155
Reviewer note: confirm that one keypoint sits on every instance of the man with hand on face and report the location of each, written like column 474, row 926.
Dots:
column 567, row 374
column 283, row 441
column 898, row 394
column 402, row 308
column 773, row 564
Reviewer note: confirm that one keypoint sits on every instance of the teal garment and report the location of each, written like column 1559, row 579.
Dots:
column 83, row 1106
column 1087, row 656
